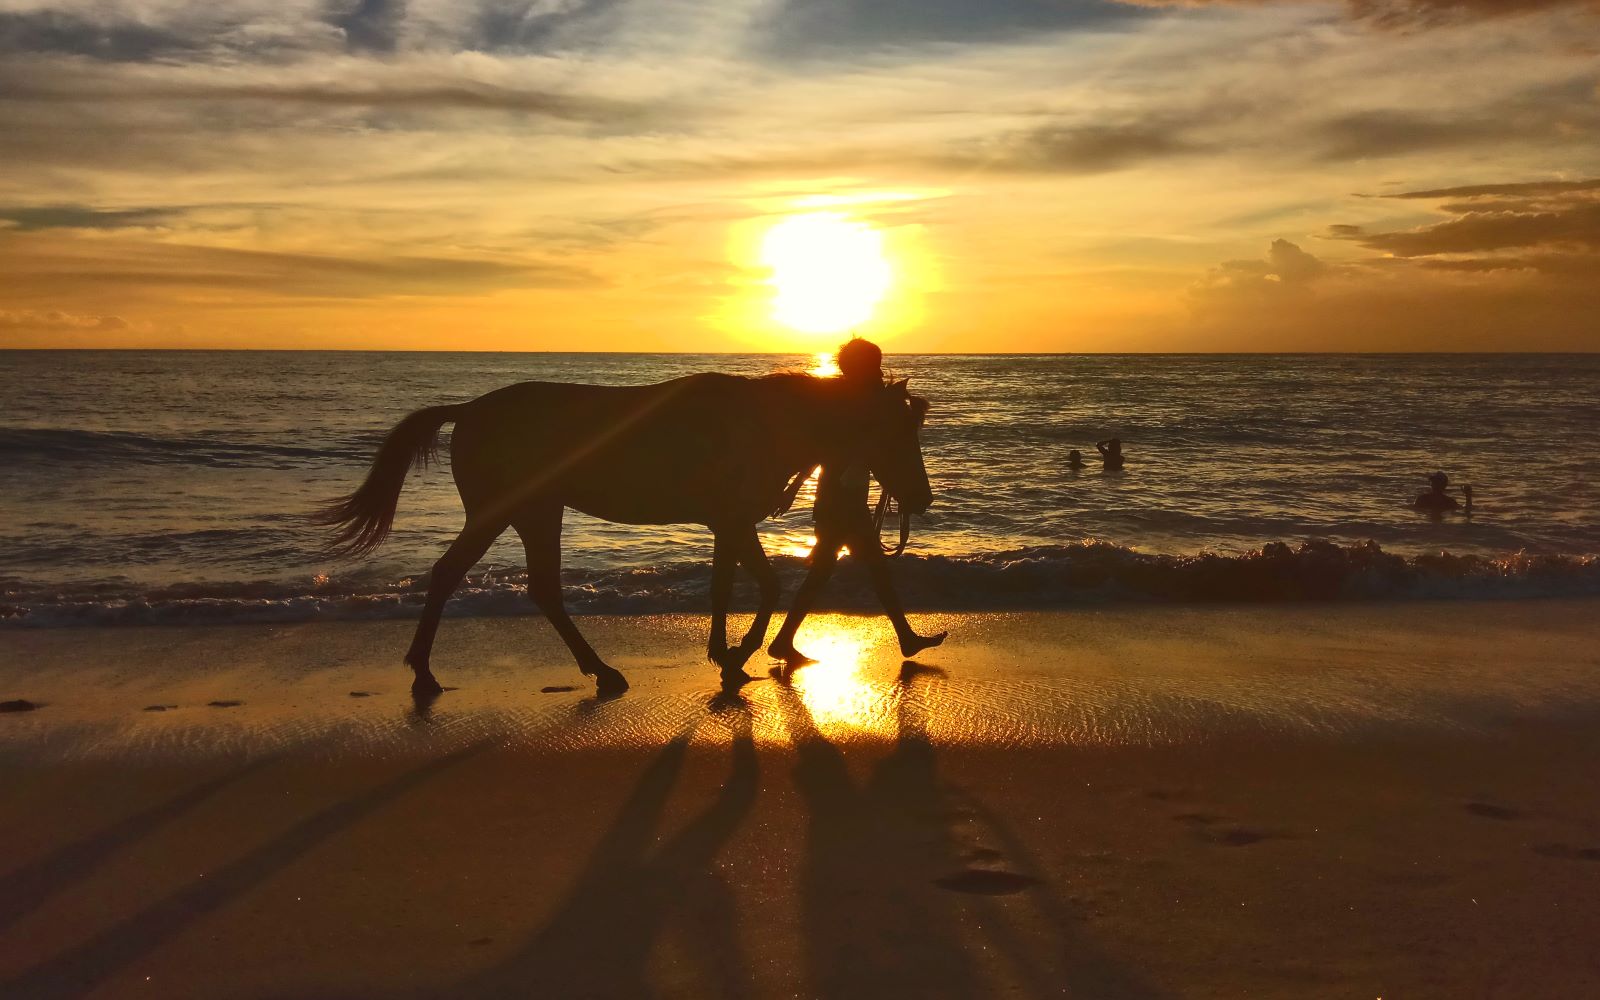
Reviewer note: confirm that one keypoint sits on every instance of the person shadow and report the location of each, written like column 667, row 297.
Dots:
column 872, row 924
column 901, row 893
column 635, row 885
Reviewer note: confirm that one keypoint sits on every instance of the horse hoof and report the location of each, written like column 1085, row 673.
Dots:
column 732, row 660
column 734, row 679
column 425, row 686
column 609, row 683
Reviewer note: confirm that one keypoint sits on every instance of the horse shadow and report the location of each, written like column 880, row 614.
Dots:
column 26, row 889
column 600, row 940
column 889, row 898
column 82, row 969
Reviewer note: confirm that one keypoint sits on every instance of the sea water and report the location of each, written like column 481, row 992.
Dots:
column 174, row 486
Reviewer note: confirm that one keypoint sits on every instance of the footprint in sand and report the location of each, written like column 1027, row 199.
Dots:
column 985, row 882
column 18, row 705
column 224, row 704
column 557, row 689
column 159, row 708
column 361, row 694
column 1567, row 852
column 1204, row 825
column 1490, row 811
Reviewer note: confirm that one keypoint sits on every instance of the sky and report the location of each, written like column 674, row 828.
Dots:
column 997, row 175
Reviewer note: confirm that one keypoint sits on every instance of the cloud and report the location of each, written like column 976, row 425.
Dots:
column 369, row 25
column 810, row 28
column 459, row 84
column 1480, row 232
column 1520, row 189
column 1556, row 215
column 29, row 219
column 43, row 265
column 1089, row 148
column 58, row 321
column 1405, row 13
column 1393, row 133
column 1285, row 269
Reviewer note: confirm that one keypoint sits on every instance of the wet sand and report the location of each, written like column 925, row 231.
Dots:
column 1339, row 801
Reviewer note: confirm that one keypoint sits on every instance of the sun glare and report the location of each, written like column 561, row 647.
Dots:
column 829, row 271
column 832, row 687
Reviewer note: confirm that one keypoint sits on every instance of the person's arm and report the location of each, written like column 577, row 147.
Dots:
column 1100, row 446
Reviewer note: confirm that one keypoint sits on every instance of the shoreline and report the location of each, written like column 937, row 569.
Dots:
column 1111, row 675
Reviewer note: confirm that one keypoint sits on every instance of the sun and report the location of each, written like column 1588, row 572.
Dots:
column 829, row 271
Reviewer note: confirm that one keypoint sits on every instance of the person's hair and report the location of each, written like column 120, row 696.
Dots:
column 860, row 359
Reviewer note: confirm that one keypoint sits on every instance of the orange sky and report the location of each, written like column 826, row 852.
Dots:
column 1038, row 175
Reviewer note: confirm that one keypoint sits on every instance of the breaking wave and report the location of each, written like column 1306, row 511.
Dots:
column 1023, row 578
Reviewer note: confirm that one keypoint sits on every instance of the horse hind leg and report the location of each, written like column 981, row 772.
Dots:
column 447, row 574
column 541, row 540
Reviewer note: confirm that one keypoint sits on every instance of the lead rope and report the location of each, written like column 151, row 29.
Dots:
column 884, row 497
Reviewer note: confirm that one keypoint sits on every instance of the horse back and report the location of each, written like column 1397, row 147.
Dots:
column 668, row 452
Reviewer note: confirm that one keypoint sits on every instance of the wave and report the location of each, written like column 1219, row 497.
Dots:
column 77, row 445
column 1033, row 577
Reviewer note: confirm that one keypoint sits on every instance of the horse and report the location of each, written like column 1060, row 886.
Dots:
column 725, row 451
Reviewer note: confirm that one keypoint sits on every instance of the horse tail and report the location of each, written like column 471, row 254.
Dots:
column 363, row 518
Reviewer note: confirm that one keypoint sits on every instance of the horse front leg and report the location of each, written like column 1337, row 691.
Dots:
column 754, row 559
column 724, row 560
column 541, row 540
column 744, row 548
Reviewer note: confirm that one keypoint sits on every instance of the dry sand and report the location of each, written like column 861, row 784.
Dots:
column 1348, row 801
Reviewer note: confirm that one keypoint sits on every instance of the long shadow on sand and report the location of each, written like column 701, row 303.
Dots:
column 81, row 969
column 880, row 917
column 24, row 890
column 598, row 944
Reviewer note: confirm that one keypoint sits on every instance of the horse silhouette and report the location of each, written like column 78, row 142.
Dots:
column 713, row 449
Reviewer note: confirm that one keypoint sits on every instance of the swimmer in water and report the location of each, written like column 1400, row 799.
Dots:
column 1436, row 500
column 1074, row 459
column 1110, row 452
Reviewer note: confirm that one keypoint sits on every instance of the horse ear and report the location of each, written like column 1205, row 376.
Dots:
column 899, row 385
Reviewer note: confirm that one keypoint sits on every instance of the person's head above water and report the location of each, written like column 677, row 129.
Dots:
column 861, row 361
column 1075, row 456
column 1438, row 481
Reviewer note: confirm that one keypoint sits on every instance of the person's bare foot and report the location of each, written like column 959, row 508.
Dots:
column 792, row 658
column 910, row 647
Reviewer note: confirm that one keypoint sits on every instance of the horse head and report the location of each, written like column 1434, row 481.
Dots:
column 893, row 449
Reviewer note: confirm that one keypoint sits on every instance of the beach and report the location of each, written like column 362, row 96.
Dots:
column 1311, row 800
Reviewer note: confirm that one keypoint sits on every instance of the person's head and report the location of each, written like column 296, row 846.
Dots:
column 861, row 361
column 1114, row 446
column 1075, row 456
column 1438, row 481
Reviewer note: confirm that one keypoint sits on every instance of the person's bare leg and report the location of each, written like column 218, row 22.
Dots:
column 823, row 558
column 883, row 584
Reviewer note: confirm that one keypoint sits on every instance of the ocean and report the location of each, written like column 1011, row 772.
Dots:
column 167, row 487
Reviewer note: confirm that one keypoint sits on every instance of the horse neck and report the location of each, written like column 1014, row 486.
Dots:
column 809, row 425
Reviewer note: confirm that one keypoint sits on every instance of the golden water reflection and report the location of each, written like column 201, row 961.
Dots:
column 833, row 689
column 827, row 365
